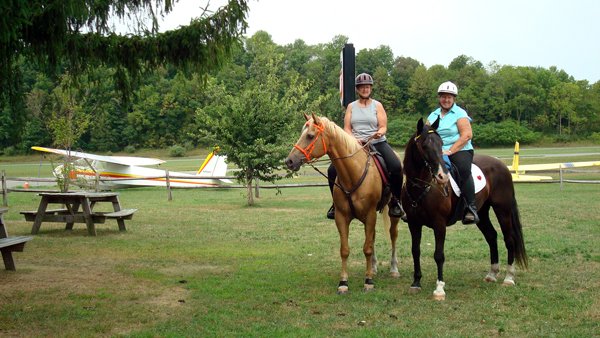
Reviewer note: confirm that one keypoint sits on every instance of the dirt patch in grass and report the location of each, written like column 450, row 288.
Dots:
column 193, row 270
column 110, row 302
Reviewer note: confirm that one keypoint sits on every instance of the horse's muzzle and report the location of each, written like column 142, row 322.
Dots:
column 442, row 178
column 293, row 164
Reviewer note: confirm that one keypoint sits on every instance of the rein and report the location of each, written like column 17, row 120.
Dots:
column 309, row 149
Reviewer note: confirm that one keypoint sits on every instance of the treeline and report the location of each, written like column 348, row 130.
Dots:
column 507, row 103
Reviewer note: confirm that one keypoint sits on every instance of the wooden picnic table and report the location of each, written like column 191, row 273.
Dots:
column 71, row 214
column 9, row 244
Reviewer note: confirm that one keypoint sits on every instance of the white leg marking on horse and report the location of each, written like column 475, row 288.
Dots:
column 394, row 265
column 510, row 276
column 491, row 276
column 439, row 293
column 374, row 262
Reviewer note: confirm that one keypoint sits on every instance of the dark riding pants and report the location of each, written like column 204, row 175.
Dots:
column 393, row 164
column 462, row 161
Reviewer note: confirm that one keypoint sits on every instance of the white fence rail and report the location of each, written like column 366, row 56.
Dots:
column 5, row 190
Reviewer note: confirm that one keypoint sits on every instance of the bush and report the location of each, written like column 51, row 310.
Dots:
column 505, row 133
column 189, row 145
column 177, row 151
column 10, row 151
column 109, row 153
column 595, row 137
column 400, row 130
column 130, row 149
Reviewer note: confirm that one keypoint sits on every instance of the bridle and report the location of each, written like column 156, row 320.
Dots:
column 415, row 201
column 309, row 149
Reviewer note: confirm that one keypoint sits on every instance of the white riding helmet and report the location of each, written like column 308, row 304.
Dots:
column 448, row 87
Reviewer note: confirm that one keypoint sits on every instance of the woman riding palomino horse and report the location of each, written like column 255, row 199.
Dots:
column 357, row 194
column 366, row 119
column 456, row 133
column 428, row 200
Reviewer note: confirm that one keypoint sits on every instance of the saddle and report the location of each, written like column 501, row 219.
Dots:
column 385, row 177
column 478, row 179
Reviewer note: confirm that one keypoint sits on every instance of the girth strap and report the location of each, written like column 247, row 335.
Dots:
column 349, row 192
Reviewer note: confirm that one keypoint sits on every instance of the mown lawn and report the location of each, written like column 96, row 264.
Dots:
column 206, row 264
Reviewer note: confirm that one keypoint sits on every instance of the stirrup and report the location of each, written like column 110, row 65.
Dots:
column 470, row 215
column 331, row 212
column 396, row 211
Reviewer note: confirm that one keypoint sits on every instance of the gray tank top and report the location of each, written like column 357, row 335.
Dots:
column 364, row 121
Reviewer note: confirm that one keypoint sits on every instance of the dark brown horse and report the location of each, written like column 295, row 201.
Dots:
column 428, row 200
column 357, row 194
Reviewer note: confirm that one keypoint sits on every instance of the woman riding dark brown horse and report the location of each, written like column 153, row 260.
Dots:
column 429, row 200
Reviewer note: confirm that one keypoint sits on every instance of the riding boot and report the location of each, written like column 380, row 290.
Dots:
column 395, row 206
column 468, row 191
column 471, row 214
column 331, row 212
column 395, row 209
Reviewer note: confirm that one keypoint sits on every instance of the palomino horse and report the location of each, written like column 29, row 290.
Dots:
column 356, row 194
column 428, row 200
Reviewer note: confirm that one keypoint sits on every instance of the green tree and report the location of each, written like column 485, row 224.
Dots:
column 253, row 128
column 68, row 121
column 420, row 93
column 402, row 73
column 368, row 60
column 564, row 98
column 385, row 90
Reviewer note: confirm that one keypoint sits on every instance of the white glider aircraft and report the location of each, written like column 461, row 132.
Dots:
column 519, row 170
column 130, row 167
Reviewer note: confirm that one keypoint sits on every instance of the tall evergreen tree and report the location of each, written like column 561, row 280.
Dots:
column 78, row 32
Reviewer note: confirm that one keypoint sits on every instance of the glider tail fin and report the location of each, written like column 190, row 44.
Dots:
column 214, row 165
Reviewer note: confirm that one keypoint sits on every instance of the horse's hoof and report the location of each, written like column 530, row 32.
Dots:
column 369, row 287
column 395, row 274
column 509, row 283
column 343, row 292
column 441, row 296
column 414, row 289
column 489, row 279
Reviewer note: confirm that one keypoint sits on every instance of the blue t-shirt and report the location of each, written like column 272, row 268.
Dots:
column 448, row 129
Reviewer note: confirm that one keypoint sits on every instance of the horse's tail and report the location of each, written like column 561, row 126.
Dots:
column 517, row 236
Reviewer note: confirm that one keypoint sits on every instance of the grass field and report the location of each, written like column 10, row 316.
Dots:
column 206, row 264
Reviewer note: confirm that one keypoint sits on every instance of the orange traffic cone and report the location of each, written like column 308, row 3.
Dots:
column 26, row 184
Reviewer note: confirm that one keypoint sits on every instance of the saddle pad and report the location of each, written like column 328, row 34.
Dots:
column 478, row 179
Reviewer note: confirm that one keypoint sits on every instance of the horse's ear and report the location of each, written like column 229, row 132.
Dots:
column 420, row 126
column 306, row 116
column 316, row 119
column 436, row 124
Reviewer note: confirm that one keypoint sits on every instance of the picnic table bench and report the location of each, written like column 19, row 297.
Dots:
column 10, row 244
column 71, row 214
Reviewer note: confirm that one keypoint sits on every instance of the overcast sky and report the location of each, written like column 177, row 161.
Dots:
column 561, row 33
